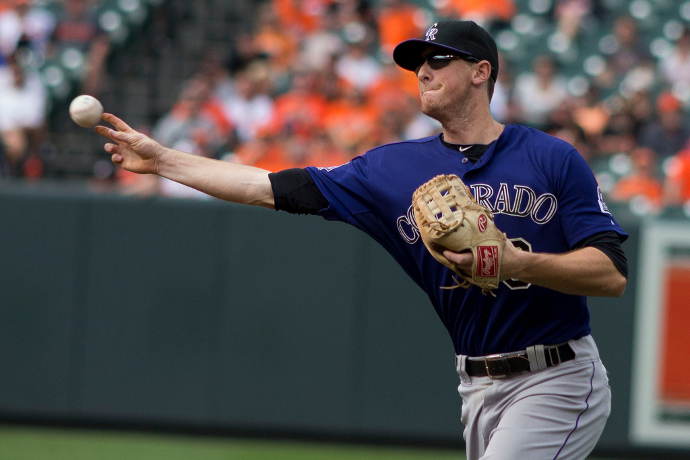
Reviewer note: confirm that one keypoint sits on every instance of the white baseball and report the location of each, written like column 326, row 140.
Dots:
column 85, row 111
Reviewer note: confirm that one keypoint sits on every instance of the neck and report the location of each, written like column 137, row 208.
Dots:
column 480, row 128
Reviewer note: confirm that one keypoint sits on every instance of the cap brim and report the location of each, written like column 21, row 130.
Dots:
column 407, row 53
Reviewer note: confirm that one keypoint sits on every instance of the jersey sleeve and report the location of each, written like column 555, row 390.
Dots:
column 347, row 190
column 583, row 211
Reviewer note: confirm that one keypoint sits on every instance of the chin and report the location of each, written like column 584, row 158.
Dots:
column 431, row 111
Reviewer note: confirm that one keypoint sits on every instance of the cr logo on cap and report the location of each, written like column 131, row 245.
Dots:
column 431, row 33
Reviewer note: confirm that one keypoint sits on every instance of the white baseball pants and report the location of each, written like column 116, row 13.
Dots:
column 557, row 413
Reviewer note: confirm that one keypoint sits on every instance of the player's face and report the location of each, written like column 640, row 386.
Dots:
column 444, row 83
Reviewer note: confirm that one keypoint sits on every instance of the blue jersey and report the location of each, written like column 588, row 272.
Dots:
column 543, row 195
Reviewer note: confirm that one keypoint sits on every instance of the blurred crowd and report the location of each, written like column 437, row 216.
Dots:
column 314, row 84
column 30, row 33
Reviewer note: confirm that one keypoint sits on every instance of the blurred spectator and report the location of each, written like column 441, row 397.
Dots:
column 77, row 29
column 359, row 23
column 538, row 92
column 299, row 17
column 250, row 108
column 620, row 133
column 390, row 91
column 274, row 42
column 642, row 182
column 321, row 152
column 267, row 151
column 628, row 52
column 591, row 115
column 216, row 73
column 502, row 104
column 357, row 66
column 350, row 121
column 23, row 110
column 289, row 151
column 677, row 179
column 299, row 111
column 483, row 12
column 27, row 26
column 195, row 119
column 669, row 131
column 575, row 17
column 319, row 46
column 399, row 20
column 569, row 14
column 561, row 124
column 675, row 67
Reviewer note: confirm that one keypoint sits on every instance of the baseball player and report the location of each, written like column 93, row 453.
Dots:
column 532, row 383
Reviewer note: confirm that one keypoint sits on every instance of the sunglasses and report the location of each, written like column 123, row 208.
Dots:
column 437, row 62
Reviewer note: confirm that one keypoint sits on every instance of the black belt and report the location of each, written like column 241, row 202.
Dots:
column 510, row 364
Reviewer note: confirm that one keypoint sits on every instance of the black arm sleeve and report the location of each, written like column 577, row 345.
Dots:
column 295, row 191
column 610, row 244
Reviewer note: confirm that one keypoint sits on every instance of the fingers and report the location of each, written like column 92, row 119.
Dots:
column 463, row 260
column 103, row 131
column 121, row 131
column 114, row 150
column 116, row 122
column 116, row 136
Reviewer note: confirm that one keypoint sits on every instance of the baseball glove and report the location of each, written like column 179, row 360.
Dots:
column 448, row 217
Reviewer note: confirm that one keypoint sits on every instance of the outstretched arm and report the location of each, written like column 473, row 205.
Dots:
column 139, row 153
column 586, row 271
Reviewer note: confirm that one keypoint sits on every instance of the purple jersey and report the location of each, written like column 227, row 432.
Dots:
column 544, row 197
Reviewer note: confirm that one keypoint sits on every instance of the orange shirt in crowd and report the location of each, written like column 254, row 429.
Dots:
column 678, row 178
column 349, row 122
column 636, row 185
column 385, row 93
column 397, row 23
column 297, row 112
column 280, row 46
column 300, row 16
column 642, row 181
column 262, row 152
column 482, row 9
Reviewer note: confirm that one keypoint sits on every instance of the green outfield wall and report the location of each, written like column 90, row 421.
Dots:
column 209, row 315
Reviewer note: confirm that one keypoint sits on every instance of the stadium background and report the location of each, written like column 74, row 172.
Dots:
column 215, row 342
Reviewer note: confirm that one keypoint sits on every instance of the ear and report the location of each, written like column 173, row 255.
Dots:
column 482, row 72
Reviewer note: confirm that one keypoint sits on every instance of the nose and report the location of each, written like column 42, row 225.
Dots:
column 423, row 73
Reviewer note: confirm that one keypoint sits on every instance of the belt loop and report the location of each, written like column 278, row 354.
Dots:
column 558, row 355
column 461, row 368
column 537, row 360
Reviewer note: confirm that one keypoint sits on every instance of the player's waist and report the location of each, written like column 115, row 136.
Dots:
column 504, row 365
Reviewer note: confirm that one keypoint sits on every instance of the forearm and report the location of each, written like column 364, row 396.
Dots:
column 139, row 153
column 586, row 271
column 228, row 181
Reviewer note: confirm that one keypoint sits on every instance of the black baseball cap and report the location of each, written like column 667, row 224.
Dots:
column 458, row 37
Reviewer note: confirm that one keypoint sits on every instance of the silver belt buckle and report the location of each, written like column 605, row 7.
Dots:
column 493, row 358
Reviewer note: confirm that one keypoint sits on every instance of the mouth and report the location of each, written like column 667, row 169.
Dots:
column 429, row 91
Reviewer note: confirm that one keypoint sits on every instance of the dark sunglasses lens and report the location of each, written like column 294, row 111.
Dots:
column 438, row 62
column 435, row 62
